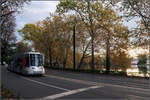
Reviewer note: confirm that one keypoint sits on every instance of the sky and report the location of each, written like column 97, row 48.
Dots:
column 38, row 10
column 33, row 12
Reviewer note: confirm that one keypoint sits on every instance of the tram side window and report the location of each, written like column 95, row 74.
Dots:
column 19, row 62
column 14, row 62
column 32, row 59
column 27, row 60
column 41, row 60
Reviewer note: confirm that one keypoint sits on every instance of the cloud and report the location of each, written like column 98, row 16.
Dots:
column 33, row 12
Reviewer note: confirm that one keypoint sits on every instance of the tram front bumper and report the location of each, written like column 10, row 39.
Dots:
column 35, row 71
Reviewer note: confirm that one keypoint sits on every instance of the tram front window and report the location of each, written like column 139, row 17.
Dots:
column 36, row 60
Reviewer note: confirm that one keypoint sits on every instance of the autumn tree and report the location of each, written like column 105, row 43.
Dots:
column 84, row 9
column 7, row 25
column 138, row 9
column 83, row 41
column 99, row 20
column 9, row 7
column 81, row 38
column 140, row 36
column 120, row 60
column 39, row 39
column 141, row 9
column 133, row 8
column 51, row 36
column 7, row 37
column 110, row 32
column 22, row 47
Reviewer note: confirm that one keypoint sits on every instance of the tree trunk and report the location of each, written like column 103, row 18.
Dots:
column 92, row 36
column 83, row 55
column 65, row 58
column 50, row 57
column 149, row 55
column 92, row 47
column 0, row 46
column 81, row 61
column 108, row 55
column 2, row 61
column 4, row 52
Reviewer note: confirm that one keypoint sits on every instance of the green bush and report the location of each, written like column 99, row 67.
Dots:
column 142, row 66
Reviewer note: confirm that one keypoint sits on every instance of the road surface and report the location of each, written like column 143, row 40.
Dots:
column 75, row 85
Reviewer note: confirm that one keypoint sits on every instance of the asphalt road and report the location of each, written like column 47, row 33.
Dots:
column 75, row 85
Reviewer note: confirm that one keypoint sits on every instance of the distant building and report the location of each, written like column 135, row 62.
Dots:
column 134, row 71
column 134, row 63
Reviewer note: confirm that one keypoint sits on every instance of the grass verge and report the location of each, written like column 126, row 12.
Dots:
column 7, row 94
column 99, row 72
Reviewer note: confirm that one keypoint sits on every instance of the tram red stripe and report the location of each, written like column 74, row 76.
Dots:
column 24, row 61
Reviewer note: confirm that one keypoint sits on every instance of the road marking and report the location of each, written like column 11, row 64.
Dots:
column 138, row 97
column 129, row 87
column 44, row 84
column 97, row 83
column 69, row 93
